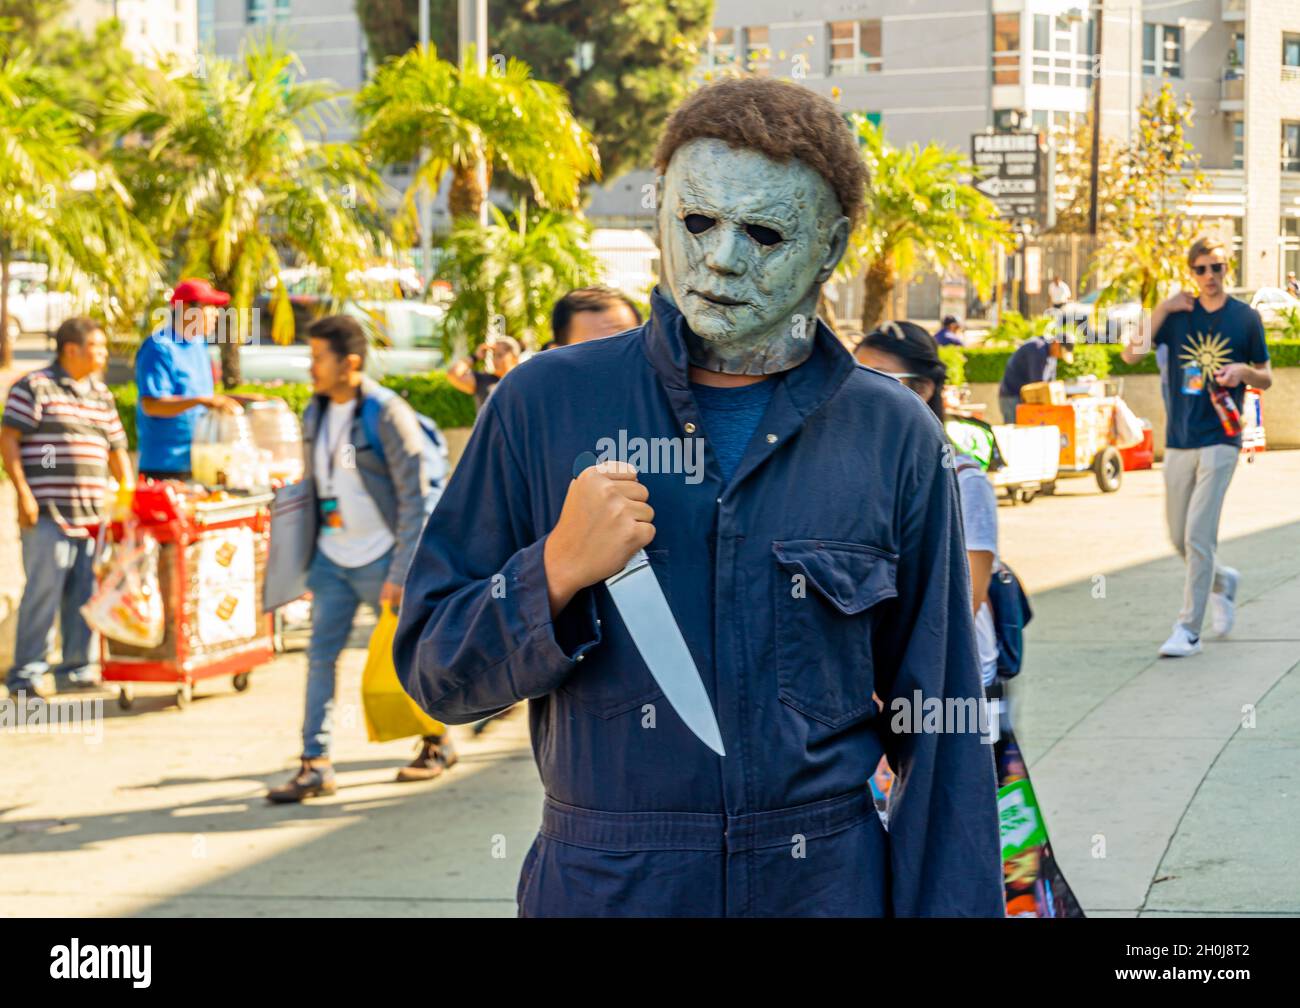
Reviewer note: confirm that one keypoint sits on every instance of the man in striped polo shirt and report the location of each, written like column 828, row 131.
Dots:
column 60, row 437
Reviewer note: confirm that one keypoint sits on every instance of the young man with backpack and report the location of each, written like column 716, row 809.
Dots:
column 375, row 469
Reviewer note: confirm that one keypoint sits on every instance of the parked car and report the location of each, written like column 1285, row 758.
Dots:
column 404, row 339
column 1113, row 323
column 1272, row 303
column 33, row 307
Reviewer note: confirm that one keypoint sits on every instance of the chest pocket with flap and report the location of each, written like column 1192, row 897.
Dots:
column 824, row 619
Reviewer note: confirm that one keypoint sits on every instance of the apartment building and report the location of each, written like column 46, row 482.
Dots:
column 152, row 28
column 944, row 69
column 325, row 35
column 1238, row 61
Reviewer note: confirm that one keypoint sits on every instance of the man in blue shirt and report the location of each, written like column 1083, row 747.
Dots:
column 1213, row 348
column 1034, row 361
column 949, row 333
column 173, row 374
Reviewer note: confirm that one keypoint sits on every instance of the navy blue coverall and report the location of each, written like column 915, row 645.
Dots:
column 831, row 566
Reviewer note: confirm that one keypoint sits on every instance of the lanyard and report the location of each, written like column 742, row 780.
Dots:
column 332, row 449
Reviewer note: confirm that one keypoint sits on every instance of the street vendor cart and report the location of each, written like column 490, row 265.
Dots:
column 211, row 567
column 1021, row 462
column 1085, row 425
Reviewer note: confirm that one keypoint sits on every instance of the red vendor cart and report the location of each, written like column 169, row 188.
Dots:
column 211, row 572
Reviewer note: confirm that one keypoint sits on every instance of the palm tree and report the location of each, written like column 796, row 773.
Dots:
column 420, row 107
column 919, row 209
column 232, row 166
column 508, row 275
column 57, row 202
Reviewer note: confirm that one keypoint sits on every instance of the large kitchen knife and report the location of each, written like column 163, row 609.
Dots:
column 641, row 603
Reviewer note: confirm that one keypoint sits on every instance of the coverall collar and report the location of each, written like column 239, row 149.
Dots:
column 808, row 386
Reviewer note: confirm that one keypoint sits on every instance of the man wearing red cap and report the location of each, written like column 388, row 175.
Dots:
column 173, row 374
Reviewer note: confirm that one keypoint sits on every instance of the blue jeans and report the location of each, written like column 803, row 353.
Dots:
column 336, row 593
column 60, row 580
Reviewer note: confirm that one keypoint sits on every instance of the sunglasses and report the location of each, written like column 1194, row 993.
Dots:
column 1215, row 268
column 907, row 378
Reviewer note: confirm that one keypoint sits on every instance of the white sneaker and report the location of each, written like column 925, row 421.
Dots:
column 1223, row 605
column 1180, row 644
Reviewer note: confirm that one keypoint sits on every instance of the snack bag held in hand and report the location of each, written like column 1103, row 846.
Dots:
column 128, row 606
column 390, row 712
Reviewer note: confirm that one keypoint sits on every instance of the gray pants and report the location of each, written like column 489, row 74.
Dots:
column 1008, row 406
column 1196, row 481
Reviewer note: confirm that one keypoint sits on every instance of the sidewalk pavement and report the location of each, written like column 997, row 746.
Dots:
column 1171, row 786
column 1143, row 760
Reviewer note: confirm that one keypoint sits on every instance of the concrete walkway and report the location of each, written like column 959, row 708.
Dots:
column 1144, row 761
column 1171, row 786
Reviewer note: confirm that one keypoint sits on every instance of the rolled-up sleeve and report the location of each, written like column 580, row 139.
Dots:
column 475, row 633
column 943, row 824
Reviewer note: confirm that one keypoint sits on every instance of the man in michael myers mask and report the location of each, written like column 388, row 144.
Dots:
column 800, row 519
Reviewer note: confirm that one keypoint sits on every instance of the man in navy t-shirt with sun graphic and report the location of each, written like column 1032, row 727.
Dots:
column 1214, row 347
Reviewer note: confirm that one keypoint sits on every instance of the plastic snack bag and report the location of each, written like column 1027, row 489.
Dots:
column 127, row 606
column 390, row 713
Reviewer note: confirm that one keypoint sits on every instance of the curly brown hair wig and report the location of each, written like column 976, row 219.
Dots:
column 777, row 118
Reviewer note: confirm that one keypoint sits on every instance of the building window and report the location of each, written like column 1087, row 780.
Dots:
column 1162, row 50
column 1006, row 48
column 1062, row 53
column 1239, row 143
column 1291, row 146
column 205, row 23
column 855, row 47
column 1290, row 245
column 720, row 52
column 758, row 55
column 262, row 11
column 1290, row 57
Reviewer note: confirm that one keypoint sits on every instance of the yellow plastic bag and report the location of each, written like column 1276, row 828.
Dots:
column 390, row 712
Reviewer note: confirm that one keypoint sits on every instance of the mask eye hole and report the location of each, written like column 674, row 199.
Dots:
column 698, row 223
column 763, row 235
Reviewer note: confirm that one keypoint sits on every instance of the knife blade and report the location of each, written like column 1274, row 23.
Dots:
column 641, row 603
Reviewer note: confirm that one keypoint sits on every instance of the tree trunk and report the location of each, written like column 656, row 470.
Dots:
column 231, row 375
column 877, row 287
column 466, row 196
column 6, row 346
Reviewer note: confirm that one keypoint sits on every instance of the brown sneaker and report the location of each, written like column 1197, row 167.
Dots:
column 436, row 755
column 316, row 778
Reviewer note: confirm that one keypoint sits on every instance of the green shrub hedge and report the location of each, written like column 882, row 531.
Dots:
column 955, row 361
column 434, row 396
column 1102, row 359
column 430, row 394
